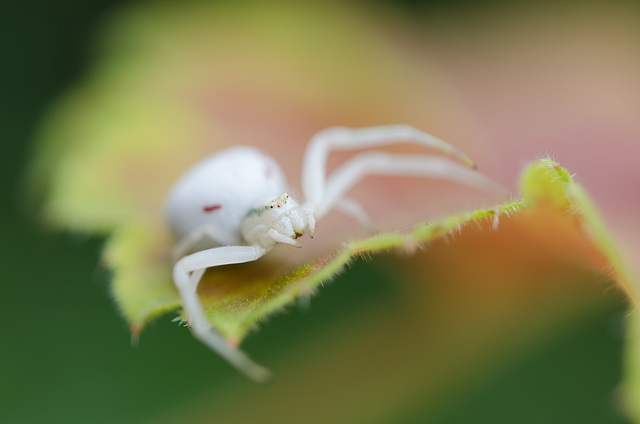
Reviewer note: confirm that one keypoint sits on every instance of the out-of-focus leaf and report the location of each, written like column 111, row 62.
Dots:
column 632, row 365
column 154, row 107
column 235, row 300
column 546, row 182
column 473, row 303
column 141, row 265
column 237, row 297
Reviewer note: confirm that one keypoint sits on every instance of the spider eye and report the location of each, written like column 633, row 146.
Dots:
column 211, row 208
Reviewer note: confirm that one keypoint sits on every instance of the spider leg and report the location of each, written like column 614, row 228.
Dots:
column 381, row 163
column 198, row 234
column 352, row 208
column 186, row 275
column 280, row 238
column 341, row 138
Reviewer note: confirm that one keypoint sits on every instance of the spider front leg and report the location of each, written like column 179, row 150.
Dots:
column 380, row 163
column 314, row 166
column 352, row 208
column 186, row 275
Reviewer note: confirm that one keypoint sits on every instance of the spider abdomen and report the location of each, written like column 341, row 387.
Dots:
column 221, row 190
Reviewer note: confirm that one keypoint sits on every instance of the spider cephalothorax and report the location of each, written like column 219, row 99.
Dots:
column 281, row 220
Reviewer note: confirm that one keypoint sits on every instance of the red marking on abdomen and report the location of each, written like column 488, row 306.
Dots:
column 211, row 208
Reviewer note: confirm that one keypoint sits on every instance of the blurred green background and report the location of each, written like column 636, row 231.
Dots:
column 65, row 354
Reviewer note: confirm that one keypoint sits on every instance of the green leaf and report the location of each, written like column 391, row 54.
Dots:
column 237, row 297
column 141, row 264
column 547, row 182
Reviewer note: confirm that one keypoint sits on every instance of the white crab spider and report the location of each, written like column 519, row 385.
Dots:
column 234, row 205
